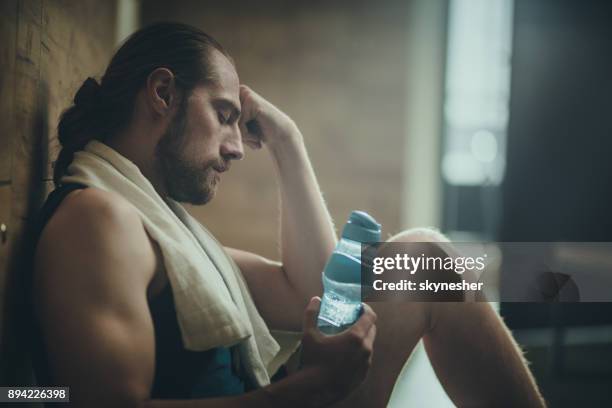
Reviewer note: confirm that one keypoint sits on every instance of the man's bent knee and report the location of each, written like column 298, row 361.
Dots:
column 419, row 235
column 424, row 242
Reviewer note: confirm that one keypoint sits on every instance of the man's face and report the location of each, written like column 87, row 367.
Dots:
column 203, row 137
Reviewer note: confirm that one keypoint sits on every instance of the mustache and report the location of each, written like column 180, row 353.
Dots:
column 221, row 166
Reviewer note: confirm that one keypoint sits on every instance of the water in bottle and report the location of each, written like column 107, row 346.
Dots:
column 341, row 301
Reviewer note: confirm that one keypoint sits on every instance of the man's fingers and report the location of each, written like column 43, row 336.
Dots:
column 365, row 321
column 245, row 108
column 247, row 94
column 367, row 318
column 243, row 91
column 253, row 145
column 248, row 104
column 249, row 127
column 311, row 313
column 369, row 338
column 244, row 132
column 250, row 140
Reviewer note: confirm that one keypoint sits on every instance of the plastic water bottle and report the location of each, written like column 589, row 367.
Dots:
column 341, row 302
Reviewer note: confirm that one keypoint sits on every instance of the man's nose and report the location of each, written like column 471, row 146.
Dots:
column 232, row 148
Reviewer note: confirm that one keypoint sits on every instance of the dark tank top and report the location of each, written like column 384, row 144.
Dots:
column 179, row 373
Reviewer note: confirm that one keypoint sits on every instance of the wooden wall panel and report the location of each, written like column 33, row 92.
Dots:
column 8, row 32
column 71, row 53
column 48, row 47
column 5, row 214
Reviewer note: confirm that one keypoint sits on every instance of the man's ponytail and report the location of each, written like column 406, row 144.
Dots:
column 78, row 125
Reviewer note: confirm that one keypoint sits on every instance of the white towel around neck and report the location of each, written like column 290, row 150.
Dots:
column 213, row 305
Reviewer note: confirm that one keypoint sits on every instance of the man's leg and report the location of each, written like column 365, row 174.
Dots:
column 472, row 352
column 399, row 327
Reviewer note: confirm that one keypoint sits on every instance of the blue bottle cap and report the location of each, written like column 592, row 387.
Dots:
column 343, row 268
column 361, row 227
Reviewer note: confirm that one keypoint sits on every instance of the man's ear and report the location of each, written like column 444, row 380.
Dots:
column 161, row 91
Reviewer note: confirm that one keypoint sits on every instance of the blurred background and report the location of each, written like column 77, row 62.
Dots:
column 487, row 119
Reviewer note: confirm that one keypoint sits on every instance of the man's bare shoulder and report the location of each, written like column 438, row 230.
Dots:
column 91, row 213
column 96, row 232
column 93, row 204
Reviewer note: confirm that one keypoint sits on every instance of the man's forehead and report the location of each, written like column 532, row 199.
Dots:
column 226, row 84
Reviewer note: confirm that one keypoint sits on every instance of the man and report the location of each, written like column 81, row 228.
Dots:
column 171, row 103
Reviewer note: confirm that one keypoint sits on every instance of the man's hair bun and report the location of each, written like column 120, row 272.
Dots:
column 87, row 93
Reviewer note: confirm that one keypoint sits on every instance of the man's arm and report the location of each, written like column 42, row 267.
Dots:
column 307, row 236
column 277, row 300
column 94, row 263
column 92, row 300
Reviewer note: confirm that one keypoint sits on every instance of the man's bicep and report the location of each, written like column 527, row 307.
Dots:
column 92, row 307
column 277, row 301
column 103, row 358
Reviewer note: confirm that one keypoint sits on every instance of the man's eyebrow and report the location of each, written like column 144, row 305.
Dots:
column 224, row 103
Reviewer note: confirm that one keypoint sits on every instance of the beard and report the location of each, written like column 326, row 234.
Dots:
column 185, row 181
